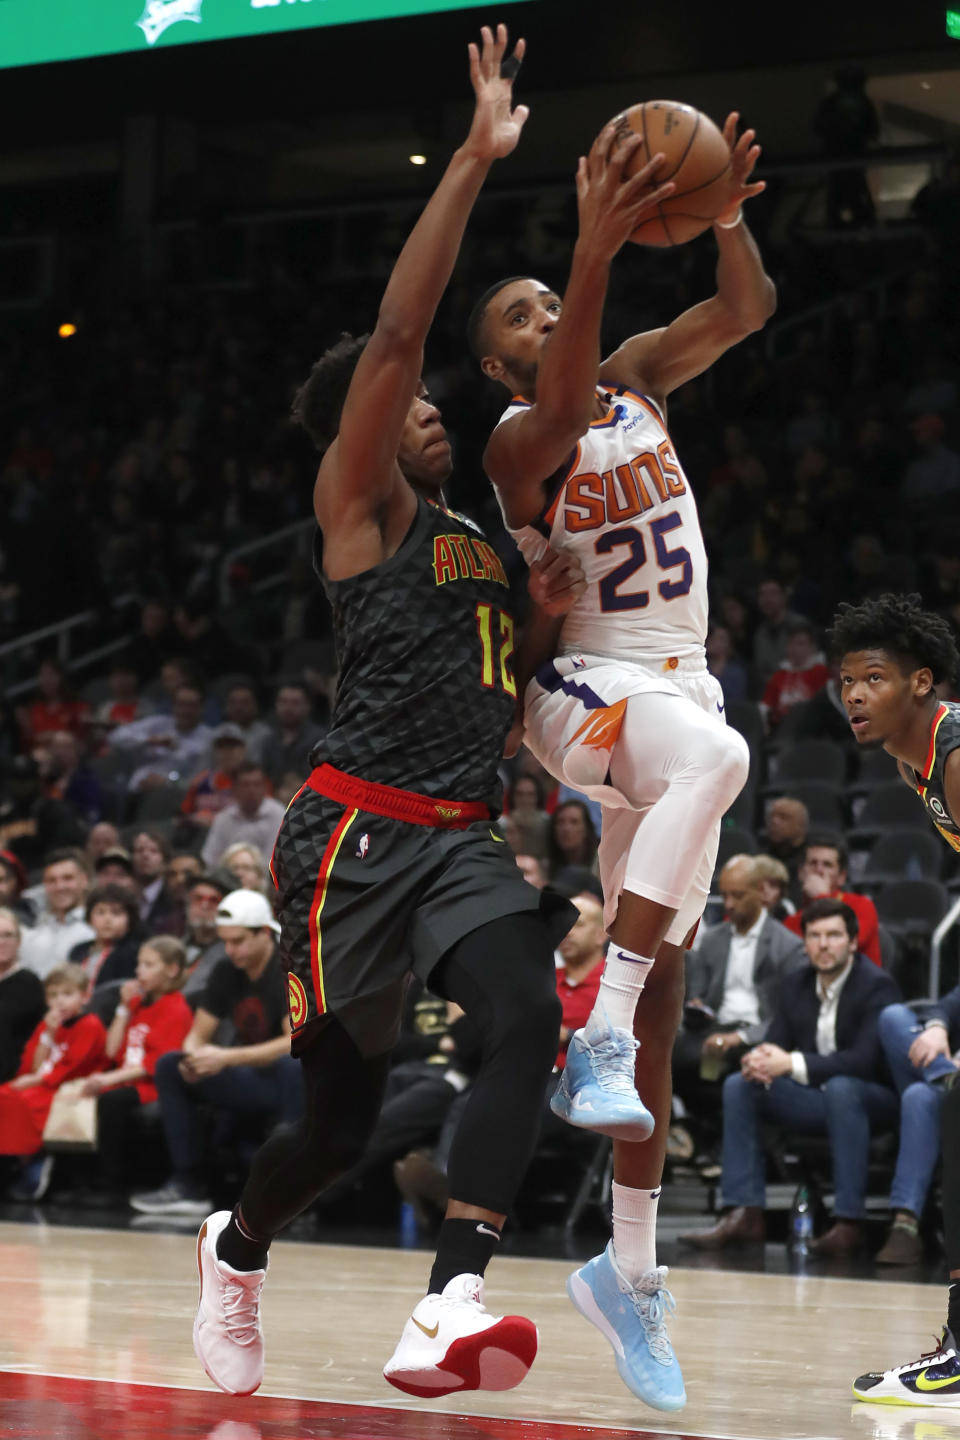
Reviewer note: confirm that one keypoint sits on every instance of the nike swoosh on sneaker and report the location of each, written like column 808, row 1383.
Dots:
column 579, row 1103
column 923, row 1384
column 430, row 1334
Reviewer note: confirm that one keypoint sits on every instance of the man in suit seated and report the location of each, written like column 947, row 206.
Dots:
column 733, row 980
column 819, row 1072
column 920, row 1046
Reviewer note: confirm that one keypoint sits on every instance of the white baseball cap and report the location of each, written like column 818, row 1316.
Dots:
column 248, row 908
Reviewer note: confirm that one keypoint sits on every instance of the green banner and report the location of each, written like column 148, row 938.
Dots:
column 35, row 31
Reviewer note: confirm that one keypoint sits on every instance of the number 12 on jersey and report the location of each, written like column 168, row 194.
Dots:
column 485, row 615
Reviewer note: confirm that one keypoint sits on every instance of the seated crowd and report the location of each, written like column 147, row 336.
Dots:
column 139, row 968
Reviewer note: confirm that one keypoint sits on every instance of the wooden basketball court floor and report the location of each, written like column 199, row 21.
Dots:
column 95, row 1344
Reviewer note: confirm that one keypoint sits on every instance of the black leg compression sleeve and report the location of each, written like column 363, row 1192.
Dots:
column 342, row 1096
column 950, row 1134
column 503, row 976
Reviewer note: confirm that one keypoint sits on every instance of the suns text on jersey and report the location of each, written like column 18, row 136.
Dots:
column 592, row 500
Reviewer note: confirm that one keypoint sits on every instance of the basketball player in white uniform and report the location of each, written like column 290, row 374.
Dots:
column 619, row 702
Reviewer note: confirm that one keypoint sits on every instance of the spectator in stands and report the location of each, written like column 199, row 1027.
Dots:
column 920, row 1048
column 66, row 1045
column 847, row 123
column 242, row 709
column 167, row 748
column 572, row 839
column 247, row 866
column 13, row 880
column 103, row 836
column 732, row 986
column 253, row 818
column 202, row 637
column 788, row 821
column 68, row 778
column 31, row 824
column 55, row 707
column 113, row 915
column 819, row 1071
column 125, row 703
column 115, row 867
column 934, row 475
column 201, row 939
column 255, row 1078
column 182, row 867
column 823, row 873
column 150, row 853
column 527, row 812
column 151, row 1020
column 294, row 733
column 774, row 879
column 22, row 1004
column 802, row 674
column 824, row 716
column 212, row 790
column 48, row 943
column 770, row 636
column 724, row 666
column 154, row 643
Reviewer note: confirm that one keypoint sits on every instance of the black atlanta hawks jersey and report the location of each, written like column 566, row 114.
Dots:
column 944, row 737
column 425, row 643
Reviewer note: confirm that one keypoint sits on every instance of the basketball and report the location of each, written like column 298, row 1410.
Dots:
column 697, row 161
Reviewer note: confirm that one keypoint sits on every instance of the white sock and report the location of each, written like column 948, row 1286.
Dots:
column 624, row 976
column 635, row 1231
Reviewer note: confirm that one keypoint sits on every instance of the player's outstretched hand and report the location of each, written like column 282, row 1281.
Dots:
column 612, row 203
column 496, row 124
column 744, row 155
column 556, row 581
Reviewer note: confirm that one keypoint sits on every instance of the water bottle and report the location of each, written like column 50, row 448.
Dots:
column 801, row 1221
column 409, row 1233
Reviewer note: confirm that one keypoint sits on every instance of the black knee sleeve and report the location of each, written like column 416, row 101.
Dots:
column 503, row 976
column 342, row 1097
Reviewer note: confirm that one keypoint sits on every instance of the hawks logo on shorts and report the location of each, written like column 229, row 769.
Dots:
column 297, row 1000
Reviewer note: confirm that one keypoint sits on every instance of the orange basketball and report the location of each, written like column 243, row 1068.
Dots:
column 697, row 161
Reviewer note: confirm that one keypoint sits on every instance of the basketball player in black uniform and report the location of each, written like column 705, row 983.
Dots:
column 892, row 654
column 387, row 860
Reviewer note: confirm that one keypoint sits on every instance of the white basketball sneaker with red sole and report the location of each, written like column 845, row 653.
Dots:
column 451, row 1342
column 227, row 1334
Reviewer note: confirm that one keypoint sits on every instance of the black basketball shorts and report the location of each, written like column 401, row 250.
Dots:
column 374, row 882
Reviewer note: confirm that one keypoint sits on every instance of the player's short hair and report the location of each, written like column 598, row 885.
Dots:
column 914, row 637
column 318, row 404
column 827, row 909
column 479, row 313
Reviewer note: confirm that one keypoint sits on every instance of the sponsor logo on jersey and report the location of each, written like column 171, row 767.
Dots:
column 296, row 1000
column 938, row 809
column 464, row 557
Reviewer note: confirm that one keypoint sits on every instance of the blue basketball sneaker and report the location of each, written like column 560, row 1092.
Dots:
column 634, row 1321
column 597, row 1089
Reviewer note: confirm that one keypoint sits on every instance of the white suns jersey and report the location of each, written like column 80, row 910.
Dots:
column 623, row 504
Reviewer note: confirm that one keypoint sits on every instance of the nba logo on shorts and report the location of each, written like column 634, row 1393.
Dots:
column 363, row 846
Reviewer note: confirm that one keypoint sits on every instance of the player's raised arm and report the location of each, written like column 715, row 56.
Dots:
column 529, row 447
column 661, row 360
column 359, row 469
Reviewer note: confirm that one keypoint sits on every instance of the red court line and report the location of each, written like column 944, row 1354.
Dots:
column 44, row 1407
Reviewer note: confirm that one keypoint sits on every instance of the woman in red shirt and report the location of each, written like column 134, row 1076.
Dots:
column 151, row 1019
